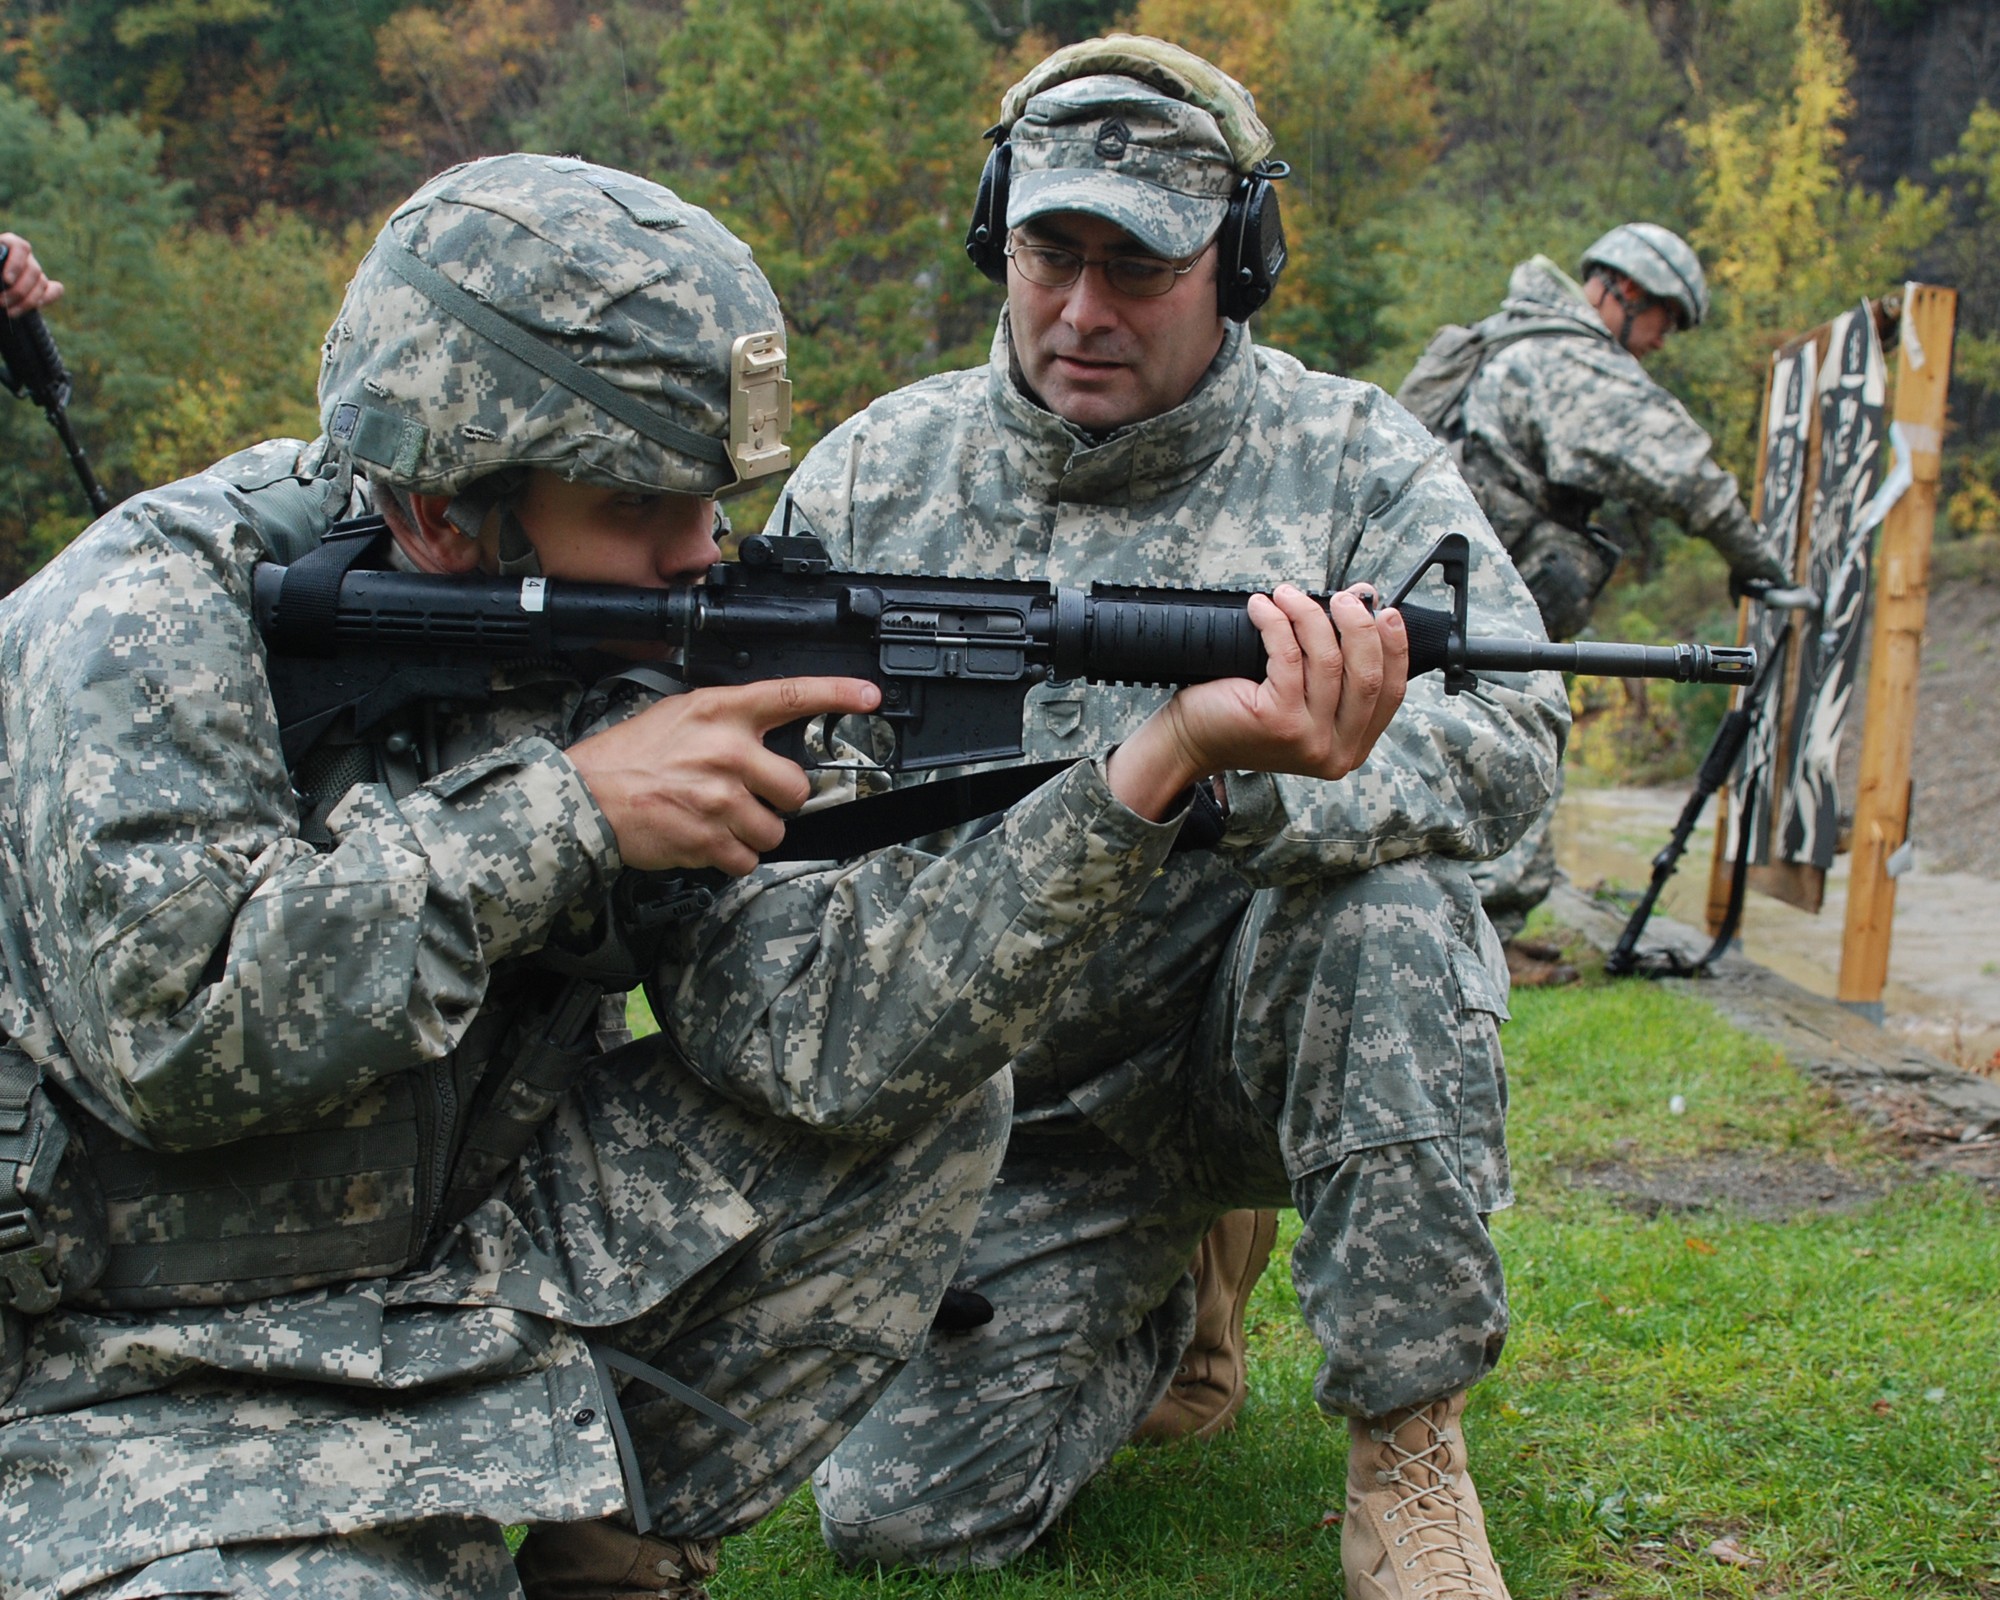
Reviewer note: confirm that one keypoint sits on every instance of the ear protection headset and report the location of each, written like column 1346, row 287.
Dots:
column 1250, row 248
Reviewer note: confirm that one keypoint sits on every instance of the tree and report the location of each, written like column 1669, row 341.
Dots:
column 185, row 343
column 257, row 102
column 597, row 95
column 841, row 140
column 458, row 74
column 1548, row 96
column 1786, row 240
column 90, row 198
column 1355, row 119
column 1967, row 255
column 1558, row 121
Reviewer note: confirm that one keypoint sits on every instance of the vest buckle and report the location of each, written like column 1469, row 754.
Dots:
column 28, row 1281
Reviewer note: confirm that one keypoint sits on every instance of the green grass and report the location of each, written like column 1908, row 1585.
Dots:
column 1824, row 1391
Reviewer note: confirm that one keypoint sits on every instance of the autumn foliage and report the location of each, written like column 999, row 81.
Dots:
column 204, row 173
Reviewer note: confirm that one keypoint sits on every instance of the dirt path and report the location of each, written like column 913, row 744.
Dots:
column 1944, row 960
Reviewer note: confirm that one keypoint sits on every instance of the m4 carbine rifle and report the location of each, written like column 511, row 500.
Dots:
column 953, row 657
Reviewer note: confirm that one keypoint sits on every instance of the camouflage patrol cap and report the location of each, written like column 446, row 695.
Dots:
column 1136, row 131
column 533, row 311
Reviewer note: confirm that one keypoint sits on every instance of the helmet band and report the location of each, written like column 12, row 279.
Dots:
column 455, row 302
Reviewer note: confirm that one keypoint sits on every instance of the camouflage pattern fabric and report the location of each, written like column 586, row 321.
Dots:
column 1331, row 1046
column 1556, row 426
column 1308, row 1015
column 1164, row 66
column 1513, row 884
column 192, row 976
column 603, row 269
column 1110, row 146
column 443, row 1556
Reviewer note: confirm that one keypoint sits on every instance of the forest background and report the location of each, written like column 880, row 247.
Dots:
column 203, row 175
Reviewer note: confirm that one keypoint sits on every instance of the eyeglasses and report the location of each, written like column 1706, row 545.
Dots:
column 1142, row 277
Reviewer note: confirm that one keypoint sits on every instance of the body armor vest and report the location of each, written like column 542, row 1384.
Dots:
column 366, row 1189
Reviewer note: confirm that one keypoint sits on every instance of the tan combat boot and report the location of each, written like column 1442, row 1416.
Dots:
column 1214, row 1376
column 1414, row 1529
column 608, row 1561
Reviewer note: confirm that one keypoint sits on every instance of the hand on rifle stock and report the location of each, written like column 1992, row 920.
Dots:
column 689, row 783
column 1335, row 679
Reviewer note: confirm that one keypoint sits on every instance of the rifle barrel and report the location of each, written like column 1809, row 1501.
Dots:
column 1679, row 663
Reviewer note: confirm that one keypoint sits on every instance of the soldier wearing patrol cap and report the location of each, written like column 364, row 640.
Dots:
column 340, row 1224
column 1302, row 1008
column 1558, row 417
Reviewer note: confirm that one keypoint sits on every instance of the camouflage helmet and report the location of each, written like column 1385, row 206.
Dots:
column 531, row 311
column 1659, row 261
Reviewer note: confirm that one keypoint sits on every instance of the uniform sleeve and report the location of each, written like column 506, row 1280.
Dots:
column 868, row 998
column 212, row 974
column 1456, row 775
column 1617, row 434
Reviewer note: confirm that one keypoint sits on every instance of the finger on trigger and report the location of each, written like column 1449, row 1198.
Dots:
column 776, row 701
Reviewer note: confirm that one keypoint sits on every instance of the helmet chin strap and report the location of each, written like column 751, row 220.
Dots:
column 479, row 500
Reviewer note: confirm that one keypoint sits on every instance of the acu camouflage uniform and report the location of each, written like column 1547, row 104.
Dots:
column 360, row 1227
column 1554, row 424
column 1305, row 1015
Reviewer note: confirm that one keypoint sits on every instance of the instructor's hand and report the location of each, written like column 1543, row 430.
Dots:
column 24, row 286
column 1334, row 678
column 689, row 783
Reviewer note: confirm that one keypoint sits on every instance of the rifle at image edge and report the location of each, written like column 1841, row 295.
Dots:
column 32, row 369
column 953, row 657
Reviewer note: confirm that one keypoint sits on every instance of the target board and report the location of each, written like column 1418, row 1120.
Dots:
column 1787, row 436
column 1852, row 388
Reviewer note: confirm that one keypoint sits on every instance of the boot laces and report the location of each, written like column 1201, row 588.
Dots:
column 1429, row 1512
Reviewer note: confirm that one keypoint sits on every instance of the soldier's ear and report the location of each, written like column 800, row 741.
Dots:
column 430, row 539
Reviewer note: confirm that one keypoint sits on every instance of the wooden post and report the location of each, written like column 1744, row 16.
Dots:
column 1902, row 595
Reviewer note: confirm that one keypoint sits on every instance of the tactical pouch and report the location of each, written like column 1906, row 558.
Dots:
column 52, row 1237
column 542, row 1057
column 274, row 1213
column 1565, row 570
column 52, row 1232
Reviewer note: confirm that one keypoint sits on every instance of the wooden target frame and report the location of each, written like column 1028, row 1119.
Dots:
column 1920, row 324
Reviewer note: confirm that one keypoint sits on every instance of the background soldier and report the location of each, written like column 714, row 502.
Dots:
column 1558, row 417
column 1302, row 1012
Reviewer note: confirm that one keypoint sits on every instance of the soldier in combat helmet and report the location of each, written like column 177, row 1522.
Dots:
column 1302, row 1008
column 340, row 1225
column 1557, row 417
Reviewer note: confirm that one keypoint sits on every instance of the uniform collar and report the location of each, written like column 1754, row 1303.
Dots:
column 1539, row 290
column 1148, row 458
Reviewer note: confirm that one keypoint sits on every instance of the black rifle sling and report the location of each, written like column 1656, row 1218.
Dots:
column 875, row 823
column 309, row 601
